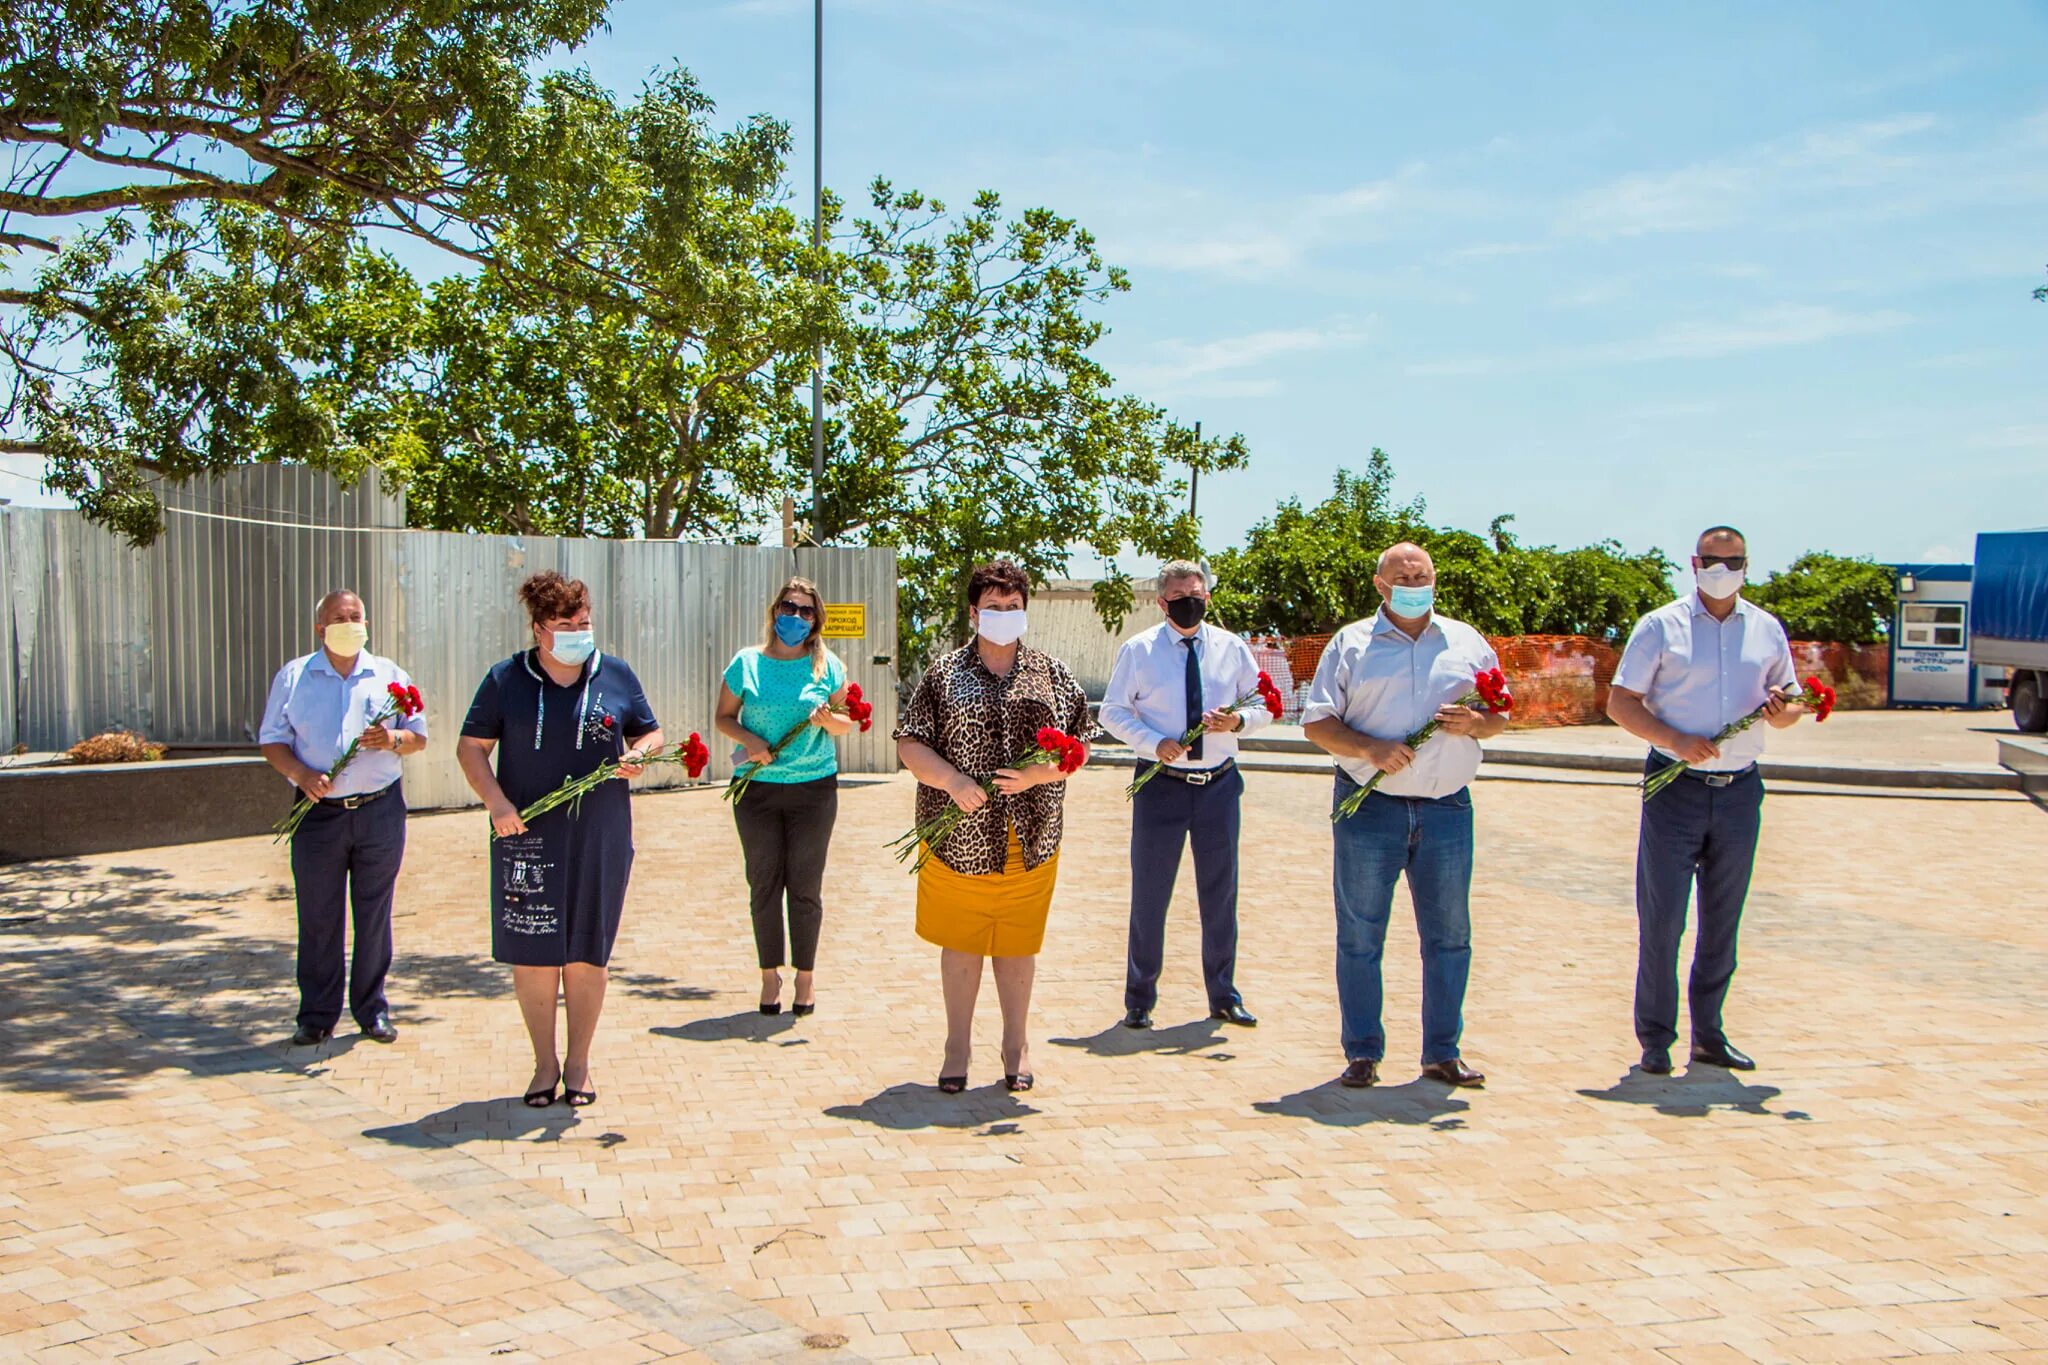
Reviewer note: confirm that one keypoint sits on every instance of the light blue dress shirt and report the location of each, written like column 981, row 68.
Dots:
column 1146, row 702
column 1385, row 685
column 318, row 712
column 1697, row 674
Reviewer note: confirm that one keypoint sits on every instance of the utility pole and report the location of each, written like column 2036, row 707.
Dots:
column 1194, row 475
column 818, row 242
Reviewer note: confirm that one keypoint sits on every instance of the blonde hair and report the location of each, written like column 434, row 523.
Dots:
column 816, row 643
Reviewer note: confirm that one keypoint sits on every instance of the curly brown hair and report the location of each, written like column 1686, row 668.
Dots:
column 997, row 574
column 549, row 596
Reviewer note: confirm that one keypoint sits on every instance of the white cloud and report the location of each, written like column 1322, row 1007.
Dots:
column 1212, row 368
column 1761, row 329
column 2018, row 436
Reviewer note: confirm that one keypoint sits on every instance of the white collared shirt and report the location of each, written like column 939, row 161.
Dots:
column 1697, row 674
column 1146, row 702
column 1380, row 683
column 319, row 714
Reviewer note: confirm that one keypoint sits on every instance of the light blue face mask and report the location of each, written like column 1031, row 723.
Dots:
column 1411, row 602
column 572, row 647
column 792, row 630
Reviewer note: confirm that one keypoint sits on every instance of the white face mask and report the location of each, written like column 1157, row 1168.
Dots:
column 1000, row 627
column 1718, row 580
column 346, row 638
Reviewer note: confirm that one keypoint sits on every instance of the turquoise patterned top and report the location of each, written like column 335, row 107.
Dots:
column 776, row 696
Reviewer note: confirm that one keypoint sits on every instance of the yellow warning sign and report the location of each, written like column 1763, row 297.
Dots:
column 845, row 621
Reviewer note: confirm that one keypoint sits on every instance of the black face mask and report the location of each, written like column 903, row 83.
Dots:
column 1187, row 612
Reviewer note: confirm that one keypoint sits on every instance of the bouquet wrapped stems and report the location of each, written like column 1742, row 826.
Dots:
column 1053, row 746
column 1265, row 693
column 692, row 754
column 1816, row 695
column 1489, row 690
column 404, row 700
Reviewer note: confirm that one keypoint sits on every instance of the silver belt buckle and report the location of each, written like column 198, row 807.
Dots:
column 351, row 802
column 1197, row 777
column 1717, row 779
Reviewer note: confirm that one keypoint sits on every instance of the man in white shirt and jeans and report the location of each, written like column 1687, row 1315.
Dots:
column 1166, row 682
column 1690, row 669
column 1381, row 680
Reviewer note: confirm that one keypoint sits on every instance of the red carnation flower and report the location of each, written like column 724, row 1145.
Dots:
column 605, row 721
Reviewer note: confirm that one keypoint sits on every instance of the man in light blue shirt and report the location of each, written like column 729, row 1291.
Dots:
column 1691, row 668
column 1379, row 681
column 348, row 849
column 1183, row 674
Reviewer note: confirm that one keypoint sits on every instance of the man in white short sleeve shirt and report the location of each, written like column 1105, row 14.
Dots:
column 1690, row 669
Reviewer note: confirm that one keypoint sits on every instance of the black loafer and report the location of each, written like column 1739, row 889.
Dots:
column 1657, row 1061
column 308, row 1036
column 1722, row 1054
column 1137, row 1018
column 1453, row 1071
column 1360, row 1074
column 1235, row 1013
column 381, row 1029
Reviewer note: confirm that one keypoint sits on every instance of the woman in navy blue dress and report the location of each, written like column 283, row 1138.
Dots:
column 552, row 713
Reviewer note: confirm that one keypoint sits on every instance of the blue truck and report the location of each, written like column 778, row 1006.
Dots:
column 2009, row 619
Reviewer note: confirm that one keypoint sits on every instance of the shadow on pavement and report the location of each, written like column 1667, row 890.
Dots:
column 1180, row 1040
column 752, row 1026
column 648, row 986
column 1415, row 1102
column 909, row 1106
column 500, row 1120
column 1692, row 1094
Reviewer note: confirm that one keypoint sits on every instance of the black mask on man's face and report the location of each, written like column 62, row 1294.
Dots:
column 1187, row 612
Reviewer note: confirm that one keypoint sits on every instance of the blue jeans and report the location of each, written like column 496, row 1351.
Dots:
column 1430, row 840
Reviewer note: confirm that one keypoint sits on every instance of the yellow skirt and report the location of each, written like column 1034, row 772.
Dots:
column 1001, row 914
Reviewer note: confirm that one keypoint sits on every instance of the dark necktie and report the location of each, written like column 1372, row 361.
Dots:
column 1194, row 676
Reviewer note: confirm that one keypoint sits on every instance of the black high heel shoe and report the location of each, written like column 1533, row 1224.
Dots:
column 803, row 1011
column 952, row 1085
column 541, row 1099
column 775, row 1008
column 1018, row 1081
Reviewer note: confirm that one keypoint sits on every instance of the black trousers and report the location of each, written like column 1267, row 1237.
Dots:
column 785, row 828
column 1166, row 815
column 346, row 860
column 1692, row 832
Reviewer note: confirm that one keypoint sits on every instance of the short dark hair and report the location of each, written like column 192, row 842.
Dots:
column 999, row 574
column 1712, row 531
column 549, row 596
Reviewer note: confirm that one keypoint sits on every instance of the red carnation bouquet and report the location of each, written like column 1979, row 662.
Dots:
column 402, row 699
column 693, row 754
column 1489, row 690
column 1264, row 691
column 857, row 709
column 1054, row 746
column 1816, row 696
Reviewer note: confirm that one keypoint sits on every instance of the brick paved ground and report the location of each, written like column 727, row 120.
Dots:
column 174, row 1184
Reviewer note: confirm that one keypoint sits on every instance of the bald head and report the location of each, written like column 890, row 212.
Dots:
column 1400, row 563
column 339, row 605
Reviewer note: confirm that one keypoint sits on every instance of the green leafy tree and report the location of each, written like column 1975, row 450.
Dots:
column 189, row 181
column 971, row 419
column 1830, row 597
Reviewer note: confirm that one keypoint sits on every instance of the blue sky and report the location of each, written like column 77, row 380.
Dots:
column 1621, row 270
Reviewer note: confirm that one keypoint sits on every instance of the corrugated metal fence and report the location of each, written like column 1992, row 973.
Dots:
column 181, row 640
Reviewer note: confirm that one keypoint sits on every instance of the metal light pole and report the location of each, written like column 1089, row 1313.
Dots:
column 818, row 242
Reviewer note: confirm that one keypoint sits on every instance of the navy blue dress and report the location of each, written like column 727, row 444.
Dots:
column 557, row 891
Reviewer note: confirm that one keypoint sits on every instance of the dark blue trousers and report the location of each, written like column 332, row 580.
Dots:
column 1691, row 832
column 342, row 860
column 1165, row 814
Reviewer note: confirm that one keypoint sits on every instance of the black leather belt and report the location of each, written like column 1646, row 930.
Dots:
column 1199, row 777
column 364, row 799
column 1719, row 779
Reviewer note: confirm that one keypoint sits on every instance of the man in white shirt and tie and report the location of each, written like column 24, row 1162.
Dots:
column 1691, row 668
column 1379, row 681
column 1167, row 681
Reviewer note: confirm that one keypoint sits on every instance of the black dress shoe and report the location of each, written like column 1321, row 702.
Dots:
column 1722, row 1054
column 1360, row 1074
column 1137, row 1018
column 1657, row 1061
column 1453, row 1071
column 1235, row 1013
column 308, row 1036
column 381, row 1029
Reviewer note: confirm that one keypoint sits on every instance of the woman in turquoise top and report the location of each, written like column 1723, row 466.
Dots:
column 786, row 688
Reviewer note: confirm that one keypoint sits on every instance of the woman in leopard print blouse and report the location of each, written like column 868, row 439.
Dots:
column 986, row 889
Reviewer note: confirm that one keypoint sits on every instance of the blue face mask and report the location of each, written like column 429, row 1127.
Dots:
column 1411, row 602
column 792, row 630
column 572, row 647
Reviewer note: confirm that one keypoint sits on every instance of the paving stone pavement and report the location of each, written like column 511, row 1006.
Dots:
column 177, row 1184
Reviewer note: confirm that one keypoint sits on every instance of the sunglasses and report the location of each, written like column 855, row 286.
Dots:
column 1724, row 561
column 801, row 609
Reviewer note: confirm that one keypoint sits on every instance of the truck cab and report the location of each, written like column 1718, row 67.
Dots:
column 2009, row 619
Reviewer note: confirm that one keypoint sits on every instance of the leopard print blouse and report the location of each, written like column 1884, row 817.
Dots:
column 979, row 723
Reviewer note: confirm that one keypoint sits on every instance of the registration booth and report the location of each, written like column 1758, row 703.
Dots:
column 1930, row 644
